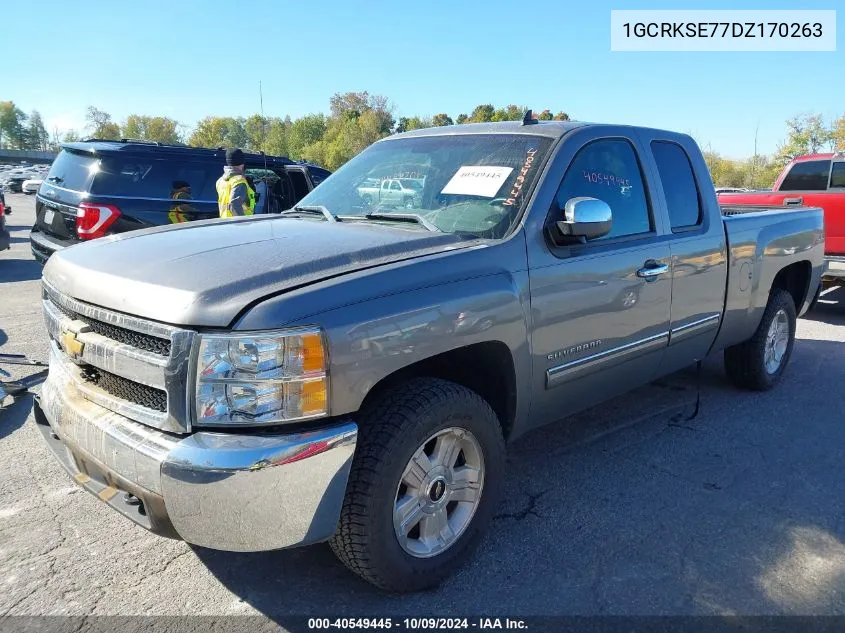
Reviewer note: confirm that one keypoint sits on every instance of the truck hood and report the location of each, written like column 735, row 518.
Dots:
column 205, row 273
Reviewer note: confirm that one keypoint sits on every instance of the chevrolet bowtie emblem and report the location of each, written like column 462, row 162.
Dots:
column 73, row 347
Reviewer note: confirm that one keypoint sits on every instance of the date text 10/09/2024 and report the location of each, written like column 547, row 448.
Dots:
column 415, row 624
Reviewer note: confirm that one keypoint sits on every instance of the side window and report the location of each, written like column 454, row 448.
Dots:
column 609, row 170
column 678, row 184
column 395, row 186
column 837, row 176
column 300, row 184
column 810, row 175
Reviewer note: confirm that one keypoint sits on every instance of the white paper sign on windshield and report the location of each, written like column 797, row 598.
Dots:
column 478, row 180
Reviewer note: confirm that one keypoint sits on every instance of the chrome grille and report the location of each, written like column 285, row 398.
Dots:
column 122, row 335
column 132, row 366
column 126, row 389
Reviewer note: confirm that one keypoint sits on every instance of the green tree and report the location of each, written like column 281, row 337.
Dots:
column 806, row 134
column 12, row 125
column 509, row 113
column 461, row 119
column 37, row 135
column 255, row 127
column 100, row 124
column 545, row 115
column 439, row 120
column 151, row 128
column 561, row 116
column 411, row 123
column 303, row 132
column 482, row 113
column 277, row 137
column 837, row 134
column 215, row 131
column 71, row 136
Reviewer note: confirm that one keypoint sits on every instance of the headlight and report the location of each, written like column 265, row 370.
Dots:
column 252, row 378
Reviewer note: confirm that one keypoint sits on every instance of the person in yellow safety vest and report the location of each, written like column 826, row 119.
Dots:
column 180, row 212
column 234, row 195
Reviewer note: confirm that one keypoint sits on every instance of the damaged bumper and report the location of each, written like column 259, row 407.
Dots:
column 228, row 491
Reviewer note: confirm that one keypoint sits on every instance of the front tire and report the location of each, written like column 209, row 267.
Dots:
column 424, row 484
column 759, row 362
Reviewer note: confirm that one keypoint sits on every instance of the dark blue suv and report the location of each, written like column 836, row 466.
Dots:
column 98, row 188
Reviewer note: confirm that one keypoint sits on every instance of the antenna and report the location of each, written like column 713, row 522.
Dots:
column 263, row 125
column 529, row 119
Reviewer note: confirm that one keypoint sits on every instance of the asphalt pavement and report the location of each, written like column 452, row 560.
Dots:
column 626, row 509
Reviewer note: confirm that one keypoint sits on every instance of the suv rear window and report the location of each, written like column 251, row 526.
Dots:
column 810, row 175
column 72, row 170
column 144, row 177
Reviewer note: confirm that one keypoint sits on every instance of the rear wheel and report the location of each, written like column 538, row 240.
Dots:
column 759, row 362
column 424, row 484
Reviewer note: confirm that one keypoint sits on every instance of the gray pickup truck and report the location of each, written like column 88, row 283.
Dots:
column 334, row 374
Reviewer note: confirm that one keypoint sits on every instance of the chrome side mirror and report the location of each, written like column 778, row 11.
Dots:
column 584, row 219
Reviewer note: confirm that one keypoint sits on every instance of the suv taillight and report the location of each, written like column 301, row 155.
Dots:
column 93, row 220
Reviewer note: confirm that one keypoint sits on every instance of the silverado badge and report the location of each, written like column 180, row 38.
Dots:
column 73, row 347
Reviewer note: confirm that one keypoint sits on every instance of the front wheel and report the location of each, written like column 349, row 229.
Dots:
column 424, row 484
column 759, row 362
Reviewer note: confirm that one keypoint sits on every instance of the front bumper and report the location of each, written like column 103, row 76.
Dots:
column 228, row 491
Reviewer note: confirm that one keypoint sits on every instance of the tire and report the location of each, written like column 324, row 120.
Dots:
column 393, row 429
column 408, row 203
column 746, row 363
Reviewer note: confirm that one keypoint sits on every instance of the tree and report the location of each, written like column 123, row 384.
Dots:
column 837, row 134
column 152, row 128
column 561, row 116
column 276, row 143
column 305, row 131
column 482, row 113
column 509, row 113
column 215, row 131
column 413, row 123
column 101, row 125
column 461, row 118
column 354, row 104
column 255, row 127
column 545, row 115
column 439, row 120
column 37, row 136
column 807, row 134
column 71, row 136
column 12, row 122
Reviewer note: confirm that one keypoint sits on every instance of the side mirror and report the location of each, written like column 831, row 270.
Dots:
column 583, row 219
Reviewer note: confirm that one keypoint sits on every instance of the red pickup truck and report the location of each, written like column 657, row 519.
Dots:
column 817, row 180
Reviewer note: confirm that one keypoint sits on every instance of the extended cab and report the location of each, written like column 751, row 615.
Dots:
column 816, row 180
column 343, row 375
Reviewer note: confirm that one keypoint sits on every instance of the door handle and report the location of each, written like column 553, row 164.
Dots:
column 652, row 269
column 789, row 202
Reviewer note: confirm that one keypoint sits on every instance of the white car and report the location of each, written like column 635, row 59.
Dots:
column 31, row 186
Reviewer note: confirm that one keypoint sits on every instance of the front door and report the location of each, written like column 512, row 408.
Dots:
column 600, row 310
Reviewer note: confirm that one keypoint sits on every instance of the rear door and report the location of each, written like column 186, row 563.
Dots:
column 600, row 310
column 834, row 210
column 698, row 246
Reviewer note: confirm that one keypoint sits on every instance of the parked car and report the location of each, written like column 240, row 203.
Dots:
column 816, row 180
column 31, row 186
column 98, row 188
column 337, row 374
column 15, row 183
column 391, row 192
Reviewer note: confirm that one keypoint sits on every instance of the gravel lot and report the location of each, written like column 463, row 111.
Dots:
column 625, row 509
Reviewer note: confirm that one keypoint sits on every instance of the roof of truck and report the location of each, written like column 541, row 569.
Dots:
column 825, row 156
column 552, row 129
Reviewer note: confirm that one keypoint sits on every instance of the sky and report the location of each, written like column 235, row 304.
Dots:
column 187, row 59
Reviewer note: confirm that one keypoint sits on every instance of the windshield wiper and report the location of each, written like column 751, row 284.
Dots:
column 403, row 217
column 312, row 208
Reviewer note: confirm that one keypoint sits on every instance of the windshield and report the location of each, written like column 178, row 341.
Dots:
column 473, row 183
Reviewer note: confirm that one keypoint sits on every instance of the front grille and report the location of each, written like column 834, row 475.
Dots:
column 145, row 342
column 126, row 389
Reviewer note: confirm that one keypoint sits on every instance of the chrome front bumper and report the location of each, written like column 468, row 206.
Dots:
column 228, row 491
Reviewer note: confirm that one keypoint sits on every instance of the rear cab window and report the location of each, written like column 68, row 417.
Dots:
column 837, row 176
column 810, row 175
column 679, row 188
